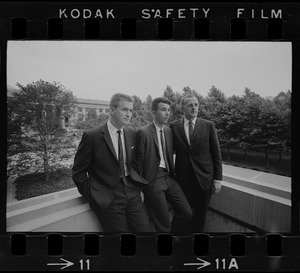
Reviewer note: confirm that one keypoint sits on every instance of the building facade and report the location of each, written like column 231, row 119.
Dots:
column 87, row 107
column 84, row 108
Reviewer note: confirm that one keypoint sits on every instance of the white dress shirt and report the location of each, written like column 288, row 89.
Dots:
column 114, row 135
column 162, row 163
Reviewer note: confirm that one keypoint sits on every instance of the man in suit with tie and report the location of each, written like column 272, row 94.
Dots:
column 104, row 175
column 198, row 162
column 154, row 161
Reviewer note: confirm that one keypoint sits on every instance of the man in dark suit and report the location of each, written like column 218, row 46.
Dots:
column 104, row 175
column 154, row 160
column 198, row 162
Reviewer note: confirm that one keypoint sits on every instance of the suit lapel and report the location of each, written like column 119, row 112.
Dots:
column 196, row 129
column 168, row 136
column 108, row 140
column 154, row 134
column 182, row 132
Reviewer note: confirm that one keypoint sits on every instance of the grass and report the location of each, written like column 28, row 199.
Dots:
column 256, row 160
column 32, row 185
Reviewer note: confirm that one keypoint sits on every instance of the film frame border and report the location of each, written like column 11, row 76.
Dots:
column 190, row 21
column 161, row 29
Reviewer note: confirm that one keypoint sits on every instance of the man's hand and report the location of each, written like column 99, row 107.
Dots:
column 217, row 185
column 142, row 196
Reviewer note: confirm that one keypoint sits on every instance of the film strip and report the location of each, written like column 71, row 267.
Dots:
column 254, row 248
column 154, row 21
column 160, row 252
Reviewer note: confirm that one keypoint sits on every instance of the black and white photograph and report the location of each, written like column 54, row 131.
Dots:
column 149, row 136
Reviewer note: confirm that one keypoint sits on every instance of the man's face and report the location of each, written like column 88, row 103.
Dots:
column 190, row 108
column 162, row 113
column 121, row 115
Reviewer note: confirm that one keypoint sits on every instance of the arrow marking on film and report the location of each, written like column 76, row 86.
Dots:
column 201, row 264
column 66, row 264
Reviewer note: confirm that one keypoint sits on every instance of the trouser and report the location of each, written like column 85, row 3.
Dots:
column 126, row 213
column 158, row 194
column 198, row 199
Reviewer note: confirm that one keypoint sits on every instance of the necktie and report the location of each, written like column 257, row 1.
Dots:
column 191, row 129
column 164, row 149
column 121, row 158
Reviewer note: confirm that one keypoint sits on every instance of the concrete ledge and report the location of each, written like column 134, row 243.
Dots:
column 261, row 204
column 265, row 204
column 64, row 211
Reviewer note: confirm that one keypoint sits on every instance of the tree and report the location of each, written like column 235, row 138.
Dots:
column 275, row 128
column 14, row 130
column 147, row 103
column 91, row 113
column 41, row 109
column 174, row 98
column 92, row 123
column 215, row 95
column 169, row 94
column 187, row 90
column 213, row 103
column 250, row 110
column 225, row 113
column 137, row 103
column 141, row 112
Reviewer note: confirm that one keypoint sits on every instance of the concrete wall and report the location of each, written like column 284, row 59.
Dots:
column 260, row 200
column 64, row 211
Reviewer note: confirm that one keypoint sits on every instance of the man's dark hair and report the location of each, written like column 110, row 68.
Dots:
column 156, row 101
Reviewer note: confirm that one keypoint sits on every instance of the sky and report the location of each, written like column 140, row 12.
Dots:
column 98, row 69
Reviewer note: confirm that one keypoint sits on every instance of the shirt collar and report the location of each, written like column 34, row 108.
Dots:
column 186, row 121
column 157, row 128
column 112, row 128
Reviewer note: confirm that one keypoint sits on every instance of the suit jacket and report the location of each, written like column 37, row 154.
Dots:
column 147, row 157
column 203, row 156
column 96, row 169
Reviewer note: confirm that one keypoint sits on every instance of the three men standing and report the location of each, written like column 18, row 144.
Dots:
column 113, row 164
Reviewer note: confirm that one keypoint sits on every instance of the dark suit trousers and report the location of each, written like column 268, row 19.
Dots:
column 198, row 199
column 165, row 189
column 127, row 212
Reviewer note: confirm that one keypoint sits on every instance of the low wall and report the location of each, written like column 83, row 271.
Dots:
column 251, row 201
column 247, row 199
column 64, row 211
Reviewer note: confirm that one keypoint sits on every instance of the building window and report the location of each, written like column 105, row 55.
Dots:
column 66, row 121
column 106, row 110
